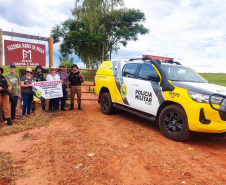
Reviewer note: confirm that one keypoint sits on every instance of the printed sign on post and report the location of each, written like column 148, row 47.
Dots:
column 47, row 90
column 24, row 54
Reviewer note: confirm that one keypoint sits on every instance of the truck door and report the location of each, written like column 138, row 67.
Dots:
column 125, row 83
column 146, row 92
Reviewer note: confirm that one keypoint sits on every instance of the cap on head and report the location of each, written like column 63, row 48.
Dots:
column 39, row 67
column 12, row 65
column 52, row 68
column 74, row 65
column 29, row 70
column 62, row 65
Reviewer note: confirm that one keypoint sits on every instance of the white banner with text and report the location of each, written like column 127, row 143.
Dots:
column 47, row 90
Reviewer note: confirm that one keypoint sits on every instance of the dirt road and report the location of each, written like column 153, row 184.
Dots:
column 87, row 147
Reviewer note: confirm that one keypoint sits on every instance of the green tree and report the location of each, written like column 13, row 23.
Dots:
column 100, row 27
column 65, row 58
column 67, row 63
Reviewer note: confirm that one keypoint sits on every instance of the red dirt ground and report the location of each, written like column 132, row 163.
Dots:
column 88, row 147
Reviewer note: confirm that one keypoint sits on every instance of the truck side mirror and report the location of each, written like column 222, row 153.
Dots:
column 154, row 78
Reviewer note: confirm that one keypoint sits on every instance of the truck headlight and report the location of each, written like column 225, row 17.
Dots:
column 216, row 100
column 199, row 97
column 204, row 98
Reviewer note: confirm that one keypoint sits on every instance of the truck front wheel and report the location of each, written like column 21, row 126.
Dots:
column 106, row 104
column 173, row 123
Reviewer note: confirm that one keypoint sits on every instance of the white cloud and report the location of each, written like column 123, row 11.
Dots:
column 191, row 31
column 34, row 18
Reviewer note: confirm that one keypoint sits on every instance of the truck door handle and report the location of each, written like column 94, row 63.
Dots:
column 136, row 84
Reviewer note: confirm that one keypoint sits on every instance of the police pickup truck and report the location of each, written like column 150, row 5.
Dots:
column 176, row 97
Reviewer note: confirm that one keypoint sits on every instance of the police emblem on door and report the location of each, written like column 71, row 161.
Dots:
column 123, row 90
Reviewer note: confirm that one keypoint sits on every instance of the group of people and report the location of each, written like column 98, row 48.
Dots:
column 13, row 88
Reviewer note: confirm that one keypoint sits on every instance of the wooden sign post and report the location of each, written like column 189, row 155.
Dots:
column 50, row 52
column 13, row 34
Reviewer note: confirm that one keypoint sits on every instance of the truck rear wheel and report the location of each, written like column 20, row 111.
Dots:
column 173, row 123
column 106, row 104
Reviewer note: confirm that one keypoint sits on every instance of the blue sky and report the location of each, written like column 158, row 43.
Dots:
column 191, row 31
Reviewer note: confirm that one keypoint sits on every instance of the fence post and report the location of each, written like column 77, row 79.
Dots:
column 89, row 73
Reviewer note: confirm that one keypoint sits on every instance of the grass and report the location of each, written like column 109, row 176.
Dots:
column 215, row 78
column 9, row 171
column 6, row 69
column 36, row 120
column 25, row 136
column 85, row 73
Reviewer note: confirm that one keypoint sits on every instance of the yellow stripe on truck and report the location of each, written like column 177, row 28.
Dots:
column 106, row 72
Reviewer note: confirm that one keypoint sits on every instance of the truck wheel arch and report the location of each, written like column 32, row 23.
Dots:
column 103, row 90
column 163, row 105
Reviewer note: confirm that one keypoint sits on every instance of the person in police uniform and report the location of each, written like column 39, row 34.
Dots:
column 39, row 76
column 75, row 79
column 4, row 98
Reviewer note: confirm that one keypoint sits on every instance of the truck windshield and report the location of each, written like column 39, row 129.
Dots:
column 180, row 73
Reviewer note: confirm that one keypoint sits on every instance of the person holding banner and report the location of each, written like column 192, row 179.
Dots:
column 76, row 79
column 53, row 77
column 64, row 79
column 27, row 94
column 39, row 76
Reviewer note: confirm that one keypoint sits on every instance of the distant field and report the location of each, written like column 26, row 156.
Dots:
column 215, row 78
column 6, row 69
column 85, row 73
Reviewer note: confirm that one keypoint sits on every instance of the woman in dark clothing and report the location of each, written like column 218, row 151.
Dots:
column 26, row 89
